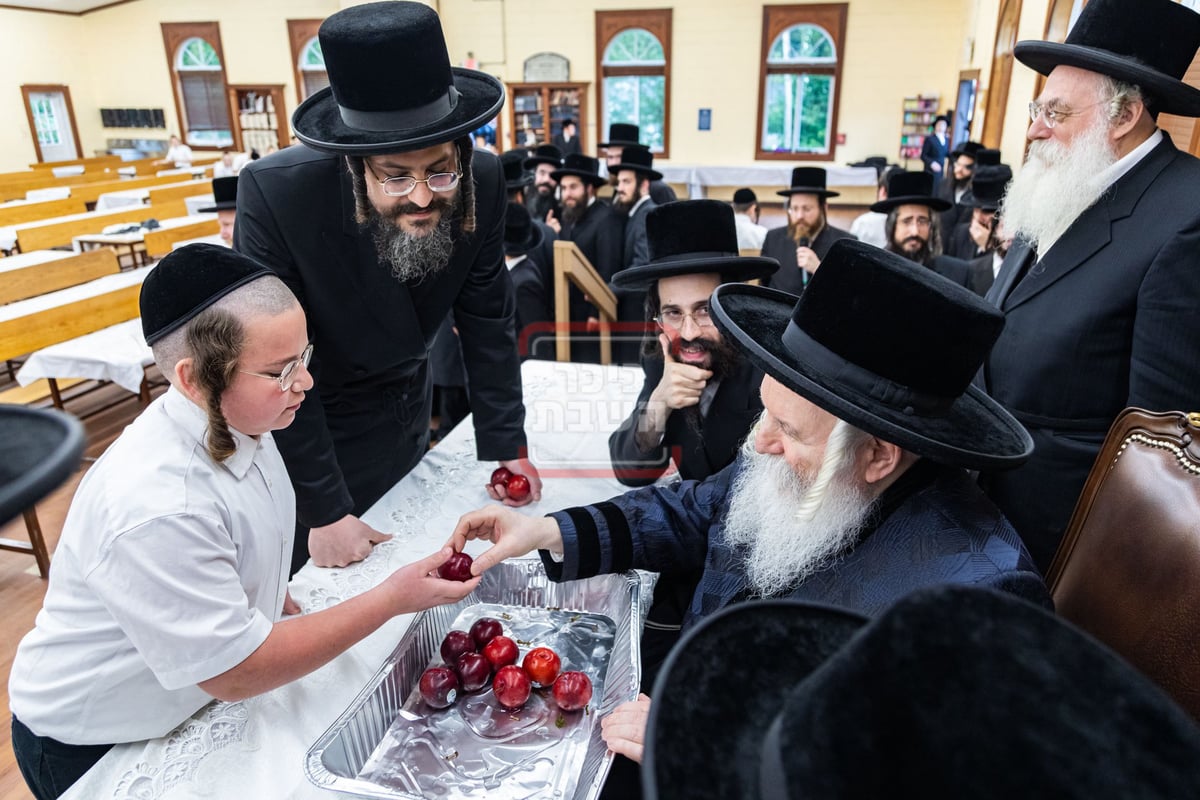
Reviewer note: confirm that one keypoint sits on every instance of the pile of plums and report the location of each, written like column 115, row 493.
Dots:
column 472, row 658
column 514, row 483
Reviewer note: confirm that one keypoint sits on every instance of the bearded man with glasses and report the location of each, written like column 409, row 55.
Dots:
column 382, row 222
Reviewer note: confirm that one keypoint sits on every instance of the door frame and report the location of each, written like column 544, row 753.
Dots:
column 28, row 89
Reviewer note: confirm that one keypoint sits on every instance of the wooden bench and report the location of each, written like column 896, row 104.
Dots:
column 19, row 284
column 91, row 163
column 17, row 188
column 158, row 243
column 48, row 209
column 191, row 189
column 59, row 234
column 90, row 193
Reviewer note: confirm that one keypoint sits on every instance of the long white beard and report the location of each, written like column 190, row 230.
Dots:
column 1057, row 183
column 796, row 525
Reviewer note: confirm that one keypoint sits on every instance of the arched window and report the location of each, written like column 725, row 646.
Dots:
column 308, row 62
column 194, row 55
column 634, row 50
column 799, row 85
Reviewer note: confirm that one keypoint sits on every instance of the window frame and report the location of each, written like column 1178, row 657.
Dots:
column 174, row 35
column 609, row 24
column 830, row 17
column 300, row 33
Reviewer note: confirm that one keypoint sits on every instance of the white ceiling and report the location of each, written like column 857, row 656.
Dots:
column 64, row 6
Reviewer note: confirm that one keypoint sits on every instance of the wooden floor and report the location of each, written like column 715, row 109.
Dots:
column 21, row 588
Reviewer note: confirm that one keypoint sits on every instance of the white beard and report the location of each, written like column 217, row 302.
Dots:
column 1056, row 185
column 794, row 525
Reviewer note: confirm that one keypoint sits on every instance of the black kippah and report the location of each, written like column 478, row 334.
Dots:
column 189, row 280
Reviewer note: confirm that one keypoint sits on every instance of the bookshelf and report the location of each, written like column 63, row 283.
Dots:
column 542, row 107
column 919, row 113
column 257, row 114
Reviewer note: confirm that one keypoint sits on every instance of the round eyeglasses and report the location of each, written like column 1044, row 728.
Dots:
column 403, row 186
column 1053, row 116
column 286, row 377
column 675, row 318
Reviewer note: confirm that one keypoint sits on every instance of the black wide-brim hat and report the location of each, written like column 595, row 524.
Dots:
column 780, row 642
column 808, row 180
column 887, row 345
column 581, row 166
column 640, row 160
column 622, row 134
column 391, row 87
column 954, row 691
column 968, row 149
column 224, row 195
column 39, row 448
column 187, row 281
column 515, row 174
column 544, row 154
column 520, row 234
column 987, row 188
column 910, row 188
column 1150, row 43
column 690, row 237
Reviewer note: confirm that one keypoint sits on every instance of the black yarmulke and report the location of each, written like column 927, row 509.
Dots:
column 189, row 280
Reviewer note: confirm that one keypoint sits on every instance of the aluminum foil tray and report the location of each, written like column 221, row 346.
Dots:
column 536, row 753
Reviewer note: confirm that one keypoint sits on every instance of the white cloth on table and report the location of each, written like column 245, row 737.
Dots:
column 68, row 171
column 32, row 259
column 122, row 199
column 197, row 202
column 255, row 748
column 698, row 178
column 49, row 193
column 73, row 294
column 118, row 353
column 171, row 570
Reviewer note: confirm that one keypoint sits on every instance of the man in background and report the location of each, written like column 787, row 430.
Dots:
column 803, row 243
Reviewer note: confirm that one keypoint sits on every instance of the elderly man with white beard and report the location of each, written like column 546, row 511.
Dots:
column 852, row 489
column 1100, row 288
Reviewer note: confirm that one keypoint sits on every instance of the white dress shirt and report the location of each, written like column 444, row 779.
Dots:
column 750, row 235
column 171, row 570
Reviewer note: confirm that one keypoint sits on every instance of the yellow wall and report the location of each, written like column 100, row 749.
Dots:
column 114, row 58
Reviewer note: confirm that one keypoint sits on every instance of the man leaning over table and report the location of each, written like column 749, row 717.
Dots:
column 382, row 222
column 852, row 489
column 170, row 579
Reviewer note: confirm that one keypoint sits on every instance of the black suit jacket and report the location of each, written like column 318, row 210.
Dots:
column 637, row 250
column 697, row 454
column 533, row 309
column 1105, row 320
column 982, row 276
column 779, row 246
column 365, row 423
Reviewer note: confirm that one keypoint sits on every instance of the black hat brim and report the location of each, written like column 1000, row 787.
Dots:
column 533, row 161
column 969, row 200
column 39, row 448
column 652, row 174
column 820, row 191
column 532, row 242
column 975, row 432
column 1170, row 94
column 935, row 203
column 520, row 183
column 618, row 143
column 589, row 177
column 768, row 647
column 732, row 269
column 228, row 205
column 318, row 123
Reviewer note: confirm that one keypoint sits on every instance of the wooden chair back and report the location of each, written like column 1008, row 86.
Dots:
column 38, row 279
column 32, row 212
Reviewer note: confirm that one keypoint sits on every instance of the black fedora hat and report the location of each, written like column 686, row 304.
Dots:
column 966, row 149
column 987, row 187
column 640, row 160
column 39, row 448
column 1150, row 43
column 940, row 118
column 955, row 691
column 987, row 157
column 910, row 188
column 888, row 346
column 515, row 174
column 807, row 180
column 520, row 234
column 224, row 195
column 391, row 87
column 689, row 237
column 544, row 154
column 878, row 163
column 187, row 281
column 622, row 134
column 580, row 166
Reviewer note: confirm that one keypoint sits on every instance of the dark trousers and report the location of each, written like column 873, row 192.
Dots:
column 49, row 766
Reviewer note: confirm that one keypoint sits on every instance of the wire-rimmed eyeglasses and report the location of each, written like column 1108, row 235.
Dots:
column 403, row 185
column 673, row 317
column 1053, row 116
column 286, row 377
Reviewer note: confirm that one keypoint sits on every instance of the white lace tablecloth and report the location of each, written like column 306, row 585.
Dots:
column 255, row 748
column 118, row 354
column 699, row 178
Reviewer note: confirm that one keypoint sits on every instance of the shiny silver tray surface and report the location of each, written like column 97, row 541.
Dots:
column 342, row 760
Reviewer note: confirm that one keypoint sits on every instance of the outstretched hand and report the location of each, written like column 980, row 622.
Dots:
column 418, row 587
column 511, row 534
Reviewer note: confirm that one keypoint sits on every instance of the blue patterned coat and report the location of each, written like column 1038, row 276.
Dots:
column 934, row 526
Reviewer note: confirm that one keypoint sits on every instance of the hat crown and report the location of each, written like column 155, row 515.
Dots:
column 581, row 163
column 1139, row 30
column 517, row 222
column 808, row 178
column 636, row 157
column 547, row 151
column 910, row 184
column 987, row 157
column 897, row 320
column 624, row 133
column 366, row 46
column 693, row 228
column 225, row 189
column 513, row 163
column 744, row 196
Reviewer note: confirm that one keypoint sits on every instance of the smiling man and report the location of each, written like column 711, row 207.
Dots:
column 1100, row 287
column 383, row 223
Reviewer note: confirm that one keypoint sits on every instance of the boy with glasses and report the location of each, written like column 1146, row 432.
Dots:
column 170, row 579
